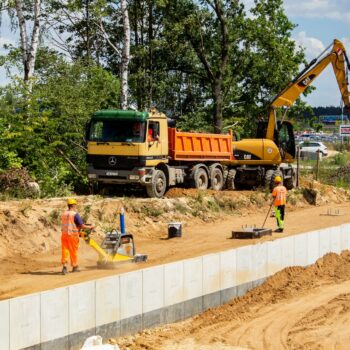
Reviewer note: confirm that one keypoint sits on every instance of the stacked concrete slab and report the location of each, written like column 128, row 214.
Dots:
column 61, row 319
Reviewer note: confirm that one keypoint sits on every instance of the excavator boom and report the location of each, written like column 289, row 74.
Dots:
column 340, row 62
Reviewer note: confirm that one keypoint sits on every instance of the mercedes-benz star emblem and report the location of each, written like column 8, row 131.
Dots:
column 112, row 161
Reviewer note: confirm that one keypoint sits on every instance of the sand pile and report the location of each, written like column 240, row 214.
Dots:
column 218, row 326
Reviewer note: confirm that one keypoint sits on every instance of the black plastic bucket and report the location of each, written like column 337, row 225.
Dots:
column 174, row 229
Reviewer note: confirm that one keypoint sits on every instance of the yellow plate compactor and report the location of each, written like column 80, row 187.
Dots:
column 114, row 249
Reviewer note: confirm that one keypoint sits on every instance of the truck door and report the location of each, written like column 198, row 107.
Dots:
column 287, row 141
column 153, row 139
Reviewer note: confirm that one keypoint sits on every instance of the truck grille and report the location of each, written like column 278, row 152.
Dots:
column 115, row 162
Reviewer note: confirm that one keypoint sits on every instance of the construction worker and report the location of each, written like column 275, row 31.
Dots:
column 71, row 224
column 279, row 193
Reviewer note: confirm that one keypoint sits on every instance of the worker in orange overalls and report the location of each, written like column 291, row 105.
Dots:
column 279, row 194
column 71, row 224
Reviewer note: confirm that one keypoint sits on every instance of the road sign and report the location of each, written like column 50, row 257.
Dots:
column 344, row 130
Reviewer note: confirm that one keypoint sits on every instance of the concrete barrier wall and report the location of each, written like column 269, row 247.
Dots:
column 62, row 318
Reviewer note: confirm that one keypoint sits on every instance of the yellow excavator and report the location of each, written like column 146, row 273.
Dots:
column 257, row 161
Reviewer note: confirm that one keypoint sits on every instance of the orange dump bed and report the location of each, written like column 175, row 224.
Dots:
column 188, row 146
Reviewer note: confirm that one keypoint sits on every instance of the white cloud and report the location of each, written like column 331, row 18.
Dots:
column 327, row 91
column 331, row 9
column 313, row 46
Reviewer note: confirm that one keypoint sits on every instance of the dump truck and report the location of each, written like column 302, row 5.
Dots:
column 129, row 147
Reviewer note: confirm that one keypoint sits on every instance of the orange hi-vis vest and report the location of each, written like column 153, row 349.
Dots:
column 280, row 195
column 68, row 226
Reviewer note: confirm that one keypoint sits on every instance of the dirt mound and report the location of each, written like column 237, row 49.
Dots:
column 217, row 325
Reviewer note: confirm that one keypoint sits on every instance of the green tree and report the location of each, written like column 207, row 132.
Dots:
column 45, row 129
column 273, row 58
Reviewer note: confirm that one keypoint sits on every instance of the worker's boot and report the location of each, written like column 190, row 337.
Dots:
column 76, row 269
column 64, row 270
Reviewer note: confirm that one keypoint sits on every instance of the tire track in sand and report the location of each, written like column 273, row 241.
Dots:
column 318, row 320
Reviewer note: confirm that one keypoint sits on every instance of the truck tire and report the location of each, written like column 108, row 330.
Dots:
column 291, row 182
column 270, row 177
column 217, row 179
column 158, row 185
column 200, row 179
column 230, row 181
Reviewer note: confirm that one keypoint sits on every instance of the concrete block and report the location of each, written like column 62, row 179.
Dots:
column 228, row 269
column 335, row 239
column 211, row 300
column 228, row 294
column 300, row 249
column 5, row 324
column 130, row 295
column 153, row 288
column 130, row 325
column 174, row 313
column 193, row 307
column 313, row 247
column 325, row 242
column 24, row 322
column 110, row 330
column 173, row 283
column 54, row 314
column 82, row 314
column 107, row 300
column 244, row 263
column 345, row 236
column 211, row 273
column 274, row 257
column 152, row 318
column 77, row 340
column 245, row 271
column 287, row 251
column 260, row 260
column 193, row 279
column 244, row 288
column 57, row 344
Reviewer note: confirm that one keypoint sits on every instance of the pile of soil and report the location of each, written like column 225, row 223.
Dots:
column 221, row 327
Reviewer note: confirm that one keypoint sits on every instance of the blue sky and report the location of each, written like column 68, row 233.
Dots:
column 318, row 23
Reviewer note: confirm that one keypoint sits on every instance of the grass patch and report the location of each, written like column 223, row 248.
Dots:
column 54, row 217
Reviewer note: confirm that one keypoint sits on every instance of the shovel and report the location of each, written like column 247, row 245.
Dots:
column 267, row 214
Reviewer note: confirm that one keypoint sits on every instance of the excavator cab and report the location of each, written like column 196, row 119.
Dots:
column 283, row 138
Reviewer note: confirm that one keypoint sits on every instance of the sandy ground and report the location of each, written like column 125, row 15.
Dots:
column 30, row 242
column 297, row 308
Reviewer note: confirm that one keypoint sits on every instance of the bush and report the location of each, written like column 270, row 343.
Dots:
column 17, row 183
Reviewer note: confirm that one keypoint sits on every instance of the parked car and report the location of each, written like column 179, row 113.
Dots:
column 313, row 146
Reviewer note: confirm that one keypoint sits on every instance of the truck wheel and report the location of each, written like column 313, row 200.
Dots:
column 291, row 182
column 157, row 187
column 217, row 179
column 200, row 179
column 270, row 177
column 230, row 181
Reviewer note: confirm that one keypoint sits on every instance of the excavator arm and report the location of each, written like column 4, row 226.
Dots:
column 340, row 62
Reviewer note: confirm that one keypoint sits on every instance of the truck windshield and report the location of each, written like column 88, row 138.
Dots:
column 117, row 131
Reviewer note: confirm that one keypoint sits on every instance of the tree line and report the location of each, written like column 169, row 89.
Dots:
column 206, row 63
